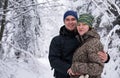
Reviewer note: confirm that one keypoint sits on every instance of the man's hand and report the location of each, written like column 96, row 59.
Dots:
column 103, row 56
column 70, row 72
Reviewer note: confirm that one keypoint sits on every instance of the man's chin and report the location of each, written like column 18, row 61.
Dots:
column 71, row 29
column 81, row 34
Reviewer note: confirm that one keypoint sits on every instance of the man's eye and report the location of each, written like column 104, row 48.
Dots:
column 73, row 19
column 67, row 19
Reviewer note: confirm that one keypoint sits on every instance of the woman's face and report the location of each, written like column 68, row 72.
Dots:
column 82, row 28
column 70, row 23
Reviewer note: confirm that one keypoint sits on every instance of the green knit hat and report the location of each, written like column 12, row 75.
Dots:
column 86, row 18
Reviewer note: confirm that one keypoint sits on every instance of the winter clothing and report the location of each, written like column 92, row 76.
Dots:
column 86, row 18
column 72, row 13
column 61, row 52
column 85, row 59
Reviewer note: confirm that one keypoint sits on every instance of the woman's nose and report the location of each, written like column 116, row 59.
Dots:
column 80, row 26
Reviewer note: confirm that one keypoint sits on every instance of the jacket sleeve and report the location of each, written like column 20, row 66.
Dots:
column 95, row 65
column 55, row 57
column 108, row 58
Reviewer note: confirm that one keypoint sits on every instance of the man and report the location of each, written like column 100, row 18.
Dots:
column 62, row 47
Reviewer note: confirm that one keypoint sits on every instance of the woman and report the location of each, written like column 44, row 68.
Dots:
column 86, row 61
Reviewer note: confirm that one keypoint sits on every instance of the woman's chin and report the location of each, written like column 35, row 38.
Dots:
column 81, row 33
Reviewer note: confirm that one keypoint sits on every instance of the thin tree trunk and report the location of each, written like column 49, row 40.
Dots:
column 3, row 18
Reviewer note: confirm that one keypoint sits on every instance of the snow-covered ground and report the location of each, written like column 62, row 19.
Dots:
column 45, row 68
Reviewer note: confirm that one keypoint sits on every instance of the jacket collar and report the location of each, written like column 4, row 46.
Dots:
column 90, row 34
column 66, row 32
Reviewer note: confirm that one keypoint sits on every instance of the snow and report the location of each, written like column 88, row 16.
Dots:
column 51, row 19
column 46, row 69
column 109, row 69
column 22, row 73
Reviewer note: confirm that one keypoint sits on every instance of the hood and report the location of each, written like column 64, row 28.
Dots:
column 65, row 32
column 92, row 33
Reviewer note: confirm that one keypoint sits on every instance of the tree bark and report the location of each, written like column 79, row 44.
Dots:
column 3, row 18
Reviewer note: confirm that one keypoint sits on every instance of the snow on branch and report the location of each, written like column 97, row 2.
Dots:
column 101, row 9
column 22, row 13
column 26, row 52
column 117, row 27
column 9, row 9
column 36, row 63
column 118, row 9
column 107, row 7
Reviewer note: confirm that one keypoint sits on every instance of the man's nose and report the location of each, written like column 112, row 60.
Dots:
column 70, row 21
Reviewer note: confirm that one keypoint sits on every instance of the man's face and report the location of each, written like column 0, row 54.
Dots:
column 70, row 23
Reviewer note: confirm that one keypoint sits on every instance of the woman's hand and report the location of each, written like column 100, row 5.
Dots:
column 71, row 73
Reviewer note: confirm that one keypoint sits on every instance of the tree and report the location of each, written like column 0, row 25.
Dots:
column 3, row 21
column 23, row 26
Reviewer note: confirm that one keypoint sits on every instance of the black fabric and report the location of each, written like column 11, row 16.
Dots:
column 108, row 58
column 61, row 52
column 57, row 74
column 65, row 32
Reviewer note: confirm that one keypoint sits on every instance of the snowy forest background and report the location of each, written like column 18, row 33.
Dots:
column 27, row 27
